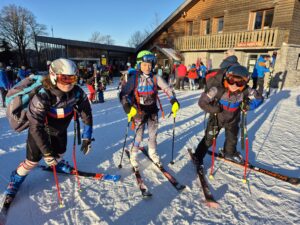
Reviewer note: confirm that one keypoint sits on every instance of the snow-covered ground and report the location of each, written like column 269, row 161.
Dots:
column 274, row 134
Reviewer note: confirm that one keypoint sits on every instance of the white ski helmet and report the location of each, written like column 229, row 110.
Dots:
column 61, row 66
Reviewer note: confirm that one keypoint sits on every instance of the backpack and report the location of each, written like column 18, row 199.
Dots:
column 17, row 101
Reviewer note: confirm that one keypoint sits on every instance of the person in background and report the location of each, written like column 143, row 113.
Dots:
column 3, row 83
column 10, row 77
column 49, row 114
column 181, row 74
column 192, row 75
column 202, row 74
column 22, row 73
column 258, row 76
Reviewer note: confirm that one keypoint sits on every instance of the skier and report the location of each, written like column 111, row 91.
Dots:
column 261, row 67
column 3, row 83
column 49, row 114
column 138, row 97
column 192, row 75
column 226, row 97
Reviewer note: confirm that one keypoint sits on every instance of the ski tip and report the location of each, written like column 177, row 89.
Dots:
column 212, row 204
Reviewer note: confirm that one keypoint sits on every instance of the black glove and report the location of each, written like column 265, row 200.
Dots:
column 86, row 145
column 127, row 108
column 173, row 100
column 245, row 105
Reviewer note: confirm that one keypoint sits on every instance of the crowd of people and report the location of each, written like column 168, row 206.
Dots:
column 60, row 98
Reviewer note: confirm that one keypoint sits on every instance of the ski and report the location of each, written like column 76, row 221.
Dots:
column 8, row 199
column 143, row 188
column 96, row 176
column 171, row 179
column 291, row 180
column 209, row 198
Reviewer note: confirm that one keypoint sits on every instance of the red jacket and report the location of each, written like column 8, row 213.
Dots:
column 192, row 73
column 181, row 70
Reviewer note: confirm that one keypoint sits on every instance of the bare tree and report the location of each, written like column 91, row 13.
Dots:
column 36, row 29
column 139, row 36
column 136, row 38
column 101, row 39
column 14, row 27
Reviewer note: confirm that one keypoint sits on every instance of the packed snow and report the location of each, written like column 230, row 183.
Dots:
column 274, row 135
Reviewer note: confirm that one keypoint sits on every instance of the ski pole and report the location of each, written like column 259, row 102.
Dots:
column 242, row 128
column 211, row 176
column 74, row 151
column 127, row 128
column 173, row 140
column 247, row 147
column 61, row 205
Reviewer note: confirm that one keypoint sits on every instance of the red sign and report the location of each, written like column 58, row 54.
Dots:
column 251, row 44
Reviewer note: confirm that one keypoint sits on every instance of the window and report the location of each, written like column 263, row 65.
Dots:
column 189, row 28
column 298, row 63
column 220, row 24
column 205, row 27
column 262, row 19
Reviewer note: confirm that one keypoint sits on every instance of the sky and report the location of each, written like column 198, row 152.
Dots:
column 77, row 20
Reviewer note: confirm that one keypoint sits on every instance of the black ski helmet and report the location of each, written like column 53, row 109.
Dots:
column 238, row 71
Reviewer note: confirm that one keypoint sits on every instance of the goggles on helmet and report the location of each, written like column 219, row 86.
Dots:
column 238, row 82
column 66, row 79
column 148, row 59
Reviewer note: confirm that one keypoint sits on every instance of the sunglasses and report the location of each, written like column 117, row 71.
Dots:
column 238, row 83
column 66, row 79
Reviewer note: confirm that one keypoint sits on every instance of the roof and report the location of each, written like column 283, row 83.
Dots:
column 168, row 21
column 169, row 52
column 61, row 41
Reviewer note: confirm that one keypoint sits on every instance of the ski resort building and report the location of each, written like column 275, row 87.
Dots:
column 204, row 29
column 84, row 53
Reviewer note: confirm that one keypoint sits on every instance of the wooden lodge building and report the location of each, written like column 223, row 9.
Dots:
column 206, row 28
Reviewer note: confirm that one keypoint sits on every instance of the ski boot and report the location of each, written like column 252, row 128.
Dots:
column 155, row 158
column 15, row 182
column 63, row 167
column 235, row 157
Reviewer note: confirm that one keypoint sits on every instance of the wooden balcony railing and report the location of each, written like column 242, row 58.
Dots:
column 269, row 38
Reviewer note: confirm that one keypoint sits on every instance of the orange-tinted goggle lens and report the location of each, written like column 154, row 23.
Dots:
column 66, row 79
column 237, row 82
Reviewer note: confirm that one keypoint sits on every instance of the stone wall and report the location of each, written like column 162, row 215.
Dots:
column 286, row 73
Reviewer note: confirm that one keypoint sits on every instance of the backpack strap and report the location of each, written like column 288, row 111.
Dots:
column 156, row 93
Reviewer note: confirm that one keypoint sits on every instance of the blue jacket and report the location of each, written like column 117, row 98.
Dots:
column 3, row 79
column 260, row 68
column 22, row 74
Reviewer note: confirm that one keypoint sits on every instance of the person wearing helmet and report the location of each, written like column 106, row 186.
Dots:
column 49, row 114
column 224, row 99
column 139, row 97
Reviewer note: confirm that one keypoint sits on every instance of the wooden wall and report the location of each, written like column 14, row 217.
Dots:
column 294, row 37
column 236, row 17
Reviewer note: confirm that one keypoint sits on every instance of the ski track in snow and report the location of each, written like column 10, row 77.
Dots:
column 274, row 142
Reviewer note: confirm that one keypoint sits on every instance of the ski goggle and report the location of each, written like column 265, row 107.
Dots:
column 238, row 82
column 66, row 79
column 148, row 59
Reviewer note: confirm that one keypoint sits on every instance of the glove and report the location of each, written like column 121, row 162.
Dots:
column 175, row 106
column 86, row 146
column 245, row 106
column 50, row 160
column 131, row 113
column 212, row 92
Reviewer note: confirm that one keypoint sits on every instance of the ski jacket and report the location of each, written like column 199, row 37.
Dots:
column 50, row 113
column 192, row 74
column 181, row 70
column 226, row 104
column 228, row 62
column 22, row 74
column 260, row 68
column 147, row 90
column 3, row 79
